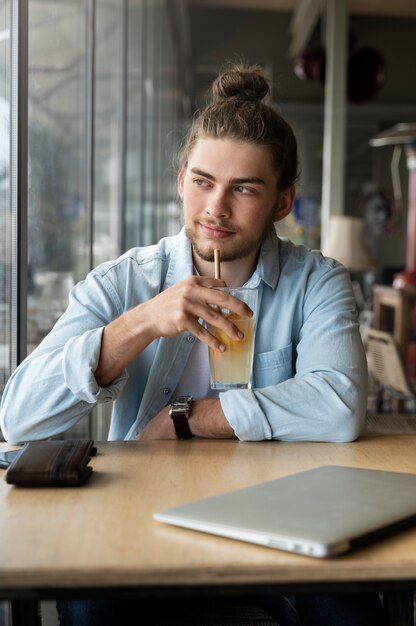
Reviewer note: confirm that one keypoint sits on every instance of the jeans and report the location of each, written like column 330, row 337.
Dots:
column 299, row 610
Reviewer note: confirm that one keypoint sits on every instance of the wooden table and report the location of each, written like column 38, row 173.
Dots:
column 79, row 542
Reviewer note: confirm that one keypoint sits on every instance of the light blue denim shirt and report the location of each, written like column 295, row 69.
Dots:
column 310, row 373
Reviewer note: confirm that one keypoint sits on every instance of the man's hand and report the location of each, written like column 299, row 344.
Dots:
column 179, row 308
column 207, row 420
column 168, row 314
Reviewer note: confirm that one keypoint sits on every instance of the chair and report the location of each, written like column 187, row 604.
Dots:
column 388, row 374
column 386, row 368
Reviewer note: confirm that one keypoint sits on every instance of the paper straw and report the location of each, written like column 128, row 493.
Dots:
column 217, row 266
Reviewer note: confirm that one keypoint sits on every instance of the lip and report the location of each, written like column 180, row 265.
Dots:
column 215, row 232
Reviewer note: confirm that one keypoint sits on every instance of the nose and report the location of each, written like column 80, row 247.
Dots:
column 218, row 205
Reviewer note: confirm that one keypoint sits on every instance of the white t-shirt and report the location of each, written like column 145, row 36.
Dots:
column 195, row 379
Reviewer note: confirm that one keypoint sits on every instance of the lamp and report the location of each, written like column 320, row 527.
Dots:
column 399, row 136
column 346, row 243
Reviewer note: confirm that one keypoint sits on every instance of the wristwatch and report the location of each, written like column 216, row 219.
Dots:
column 179, row 412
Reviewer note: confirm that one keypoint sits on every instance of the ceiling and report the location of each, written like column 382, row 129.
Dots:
column 398, row 8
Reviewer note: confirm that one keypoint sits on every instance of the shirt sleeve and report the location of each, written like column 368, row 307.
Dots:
column 55, row 386
column 327, row 397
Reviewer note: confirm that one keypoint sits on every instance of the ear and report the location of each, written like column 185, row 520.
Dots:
column 181, row 177
column 285, row 202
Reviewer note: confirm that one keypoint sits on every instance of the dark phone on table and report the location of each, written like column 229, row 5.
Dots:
column 7, row 457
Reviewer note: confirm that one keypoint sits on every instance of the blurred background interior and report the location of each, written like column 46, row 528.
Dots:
column 94, row 99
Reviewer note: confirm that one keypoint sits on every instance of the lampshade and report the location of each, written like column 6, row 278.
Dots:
column 399, row 134
column 346, row 244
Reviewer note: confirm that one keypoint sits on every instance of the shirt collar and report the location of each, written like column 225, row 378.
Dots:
column 268, row 266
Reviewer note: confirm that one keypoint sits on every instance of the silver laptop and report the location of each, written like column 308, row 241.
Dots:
column 321, row 512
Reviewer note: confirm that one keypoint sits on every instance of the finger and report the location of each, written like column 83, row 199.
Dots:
column 226, row 329
column 212, row 319
column 225, row 300
column 211, row 313
column 203, row 334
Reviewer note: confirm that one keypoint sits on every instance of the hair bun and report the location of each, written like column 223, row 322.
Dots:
column 240, row 83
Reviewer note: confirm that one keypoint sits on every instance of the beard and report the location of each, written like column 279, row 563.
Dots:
column 241, row 249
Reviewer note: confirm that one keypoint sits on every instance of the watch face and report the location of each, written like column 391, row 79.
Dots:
column 181, row 405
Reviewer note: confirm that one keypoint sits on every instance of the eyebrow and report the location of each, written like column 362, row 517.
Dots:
column 234, row 181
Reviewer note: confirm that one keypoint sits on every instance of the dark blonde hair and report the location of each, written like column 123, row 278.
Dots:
column 237, row 111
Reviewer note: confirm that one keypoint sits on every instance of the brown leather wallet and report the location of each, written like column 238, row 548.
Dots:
column 52, row 463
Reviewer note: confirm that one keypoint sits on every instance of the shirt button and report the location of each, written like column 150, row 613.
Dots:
column 190, row 338
column 167, row 391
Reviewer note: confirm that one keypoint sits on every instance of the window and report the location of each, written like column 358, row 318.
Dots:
column 105, row 101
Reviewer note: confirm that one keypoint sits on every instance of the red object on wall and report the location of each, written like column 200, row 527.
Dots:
column 310, row 65
column 366, row 69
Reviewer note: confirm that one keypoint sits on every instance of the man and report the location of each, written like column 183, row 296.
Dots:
column 133, row 333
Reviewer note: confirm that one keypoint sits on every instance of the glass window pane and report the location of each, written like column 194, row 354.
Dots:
column 58, row 216
column 108, row 129
column 136, row 38
column 155, row 115
column 6, row 217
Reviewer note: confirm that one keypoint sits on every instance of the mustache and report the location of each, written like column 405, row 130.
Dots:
column 219, row 224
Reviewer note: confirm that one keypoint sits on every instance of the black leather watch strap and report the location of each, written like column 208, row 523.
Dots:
column 180, row 412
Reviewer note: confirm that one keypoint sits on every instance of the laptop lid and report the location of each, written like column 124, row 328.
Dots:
column 321, row 512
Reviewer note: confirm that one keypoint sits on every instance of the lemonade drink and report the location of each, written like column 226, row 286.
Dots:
column 232, row 368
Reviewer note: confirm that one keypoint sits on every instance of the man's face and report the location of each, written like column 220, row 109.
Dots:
column 230, row 197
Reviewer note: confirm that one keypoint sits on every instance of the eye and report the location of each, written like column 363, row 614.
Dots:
column 201, row 182
column 243, row 189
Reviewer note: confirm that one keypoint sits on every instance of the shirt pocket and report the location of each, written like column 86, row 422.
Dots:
column 272, row 367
